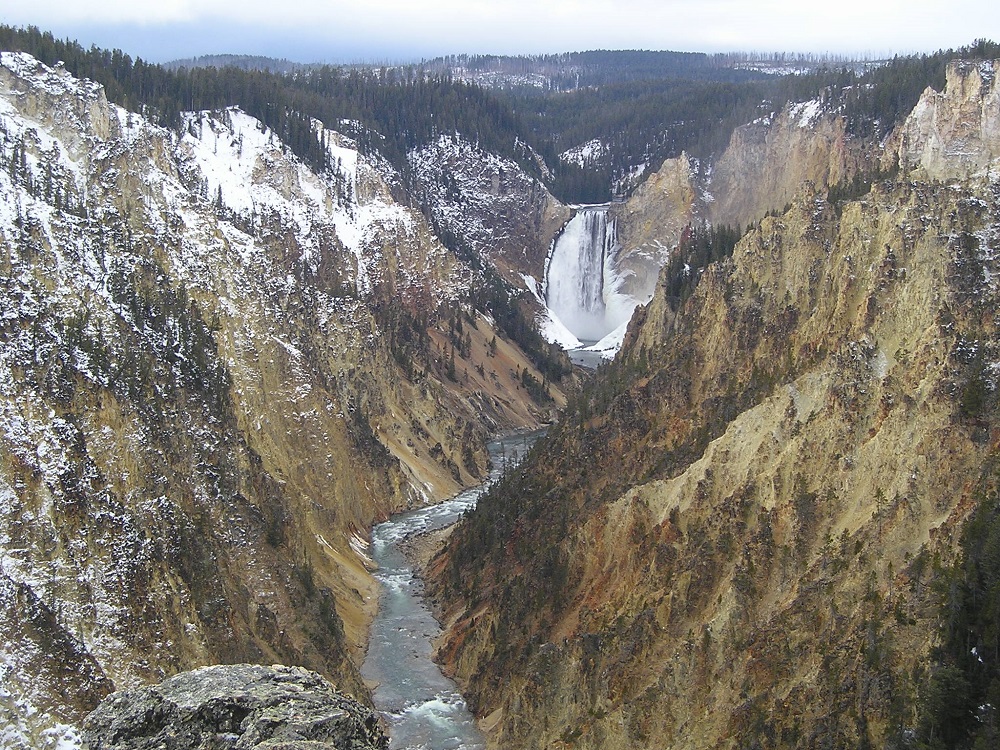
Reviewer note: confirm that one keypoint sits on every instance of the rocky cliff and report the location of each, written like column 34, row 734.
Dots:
column 489, row 205
column 241, row 706
column 649, row 224
column 737, row 537
column 217, row 368
column 766, row 163
column 955, row 132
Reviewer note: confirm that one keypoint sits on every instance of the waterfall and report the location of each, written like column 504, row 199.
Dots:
column 580, row 278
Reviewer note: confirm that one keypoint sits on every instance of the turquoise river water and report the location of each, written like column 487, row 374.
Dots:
column 422, row 707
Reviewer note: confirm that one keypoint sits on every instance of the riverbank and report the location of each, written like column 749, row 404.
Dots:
column 420, row 549
column 421, row 706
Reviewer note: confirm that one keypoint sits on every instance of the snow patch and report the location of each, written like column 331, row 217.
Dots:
column 609, row 346
column 555, row 332
column 585, row 154
column 805, row 113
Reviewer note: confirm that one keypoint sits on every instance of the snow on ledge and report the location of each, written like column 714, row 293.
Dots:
column 609, row 346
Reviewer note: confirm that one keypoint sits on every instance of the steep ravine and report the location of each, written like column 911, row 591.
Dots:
column 734, row 538
column 217, row 370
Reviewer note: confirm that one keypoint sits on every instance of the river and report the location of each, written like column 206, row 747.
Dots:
column 422, row 707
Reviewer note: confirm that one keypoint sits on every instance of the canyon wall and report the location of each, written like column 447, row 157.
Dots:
column 217, row 369
column 489, row 205
column 764, row 165
column 739, row 535
column 651, row 221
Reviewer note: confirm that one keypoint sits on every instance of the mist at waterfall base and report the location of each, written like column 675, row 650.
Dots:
column 587, row 313
column 422, row 707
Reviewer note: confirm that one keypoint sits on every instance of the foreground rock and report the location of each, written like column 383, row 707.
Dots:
column 240, row 707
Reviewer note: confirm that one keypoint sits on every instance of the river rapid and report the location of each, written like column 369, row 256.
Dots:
column 422, row 707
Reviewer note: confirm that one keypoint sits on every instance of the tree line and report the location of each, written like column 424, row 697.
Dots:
column 643, row 106
column 648, row 120
column 386, row 114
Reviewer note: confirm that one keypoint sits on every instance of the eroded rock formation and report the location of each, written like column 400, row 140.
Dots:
column 736, row 537
column 241, row 707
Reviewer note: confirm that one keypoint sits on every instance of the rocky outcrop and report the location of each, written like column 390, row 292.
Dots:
column 650, row 223
column 239, row 707
column 737, row 535
column 490, row 205
column 766, row 163
column 57, row 99
column 955, row 132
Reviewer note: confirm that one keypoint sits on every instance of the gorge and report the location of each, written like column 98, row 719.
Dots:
column 423, row 708
column 247, row 319
column 740, row 535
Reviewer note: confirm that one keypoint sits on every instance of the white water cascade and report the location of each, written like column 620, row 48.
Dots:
column 581, row 281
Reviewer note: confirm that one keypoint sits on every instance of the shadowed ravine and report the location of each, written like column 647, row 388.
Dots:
column 422, row 707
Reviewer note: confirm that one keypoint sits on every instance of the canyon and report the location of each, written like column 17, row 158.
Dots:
column 222, row 366
column 219, row 370
column 737, row 536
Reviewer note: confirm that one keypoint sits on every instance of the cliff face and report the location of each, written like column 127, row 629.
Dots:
column 650, row 223
column 955, row 133
column 217, row 368
column 729, row 540
column 766, row 163
column 490, row 205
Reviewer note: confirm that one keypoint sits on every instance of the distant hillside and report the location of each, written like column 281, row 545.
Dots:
column 573, row 70
column 639, row 107
column 240, row 62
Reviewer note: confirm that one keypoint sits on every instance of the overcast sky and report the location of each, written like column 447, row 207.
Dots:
column 405, row 30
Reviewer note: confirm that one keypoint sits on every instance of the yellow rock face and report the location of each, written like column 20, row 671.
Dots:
column 651, row 221
column 955, row 133
column 737, row 535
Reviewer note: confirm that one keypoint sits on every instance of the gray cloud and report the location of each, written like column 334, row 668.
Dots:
column 335, row 30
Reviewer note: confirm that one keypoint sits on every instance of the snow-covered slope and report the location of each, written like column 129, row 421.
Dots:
column 586, row 154
column 489, row 204
column 246, row 172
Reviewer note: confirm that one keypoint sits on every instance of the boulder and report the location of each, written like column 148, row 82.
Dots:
column 235, row 707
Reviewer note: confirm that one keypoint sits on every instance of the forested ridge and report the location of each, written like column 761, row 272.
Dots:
column 382, row 110
column 574, row 70
column 647, row 120
column 642, row 106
